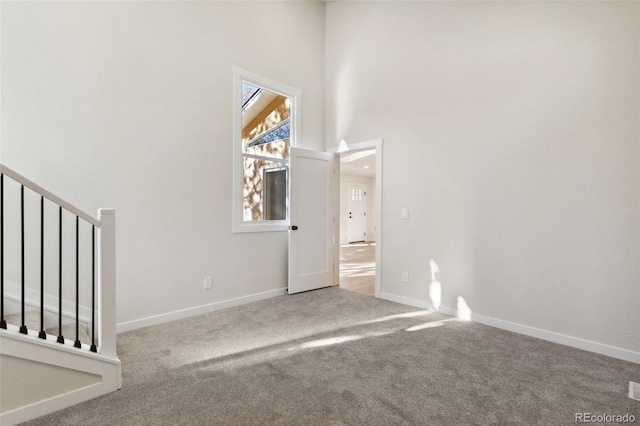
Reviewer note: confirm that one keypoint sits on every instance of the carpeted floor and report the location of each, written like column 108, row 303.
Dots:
column 334, row 357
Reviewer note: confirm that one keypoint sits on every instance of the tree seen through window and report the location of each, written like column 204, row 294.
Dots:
column 265, row 149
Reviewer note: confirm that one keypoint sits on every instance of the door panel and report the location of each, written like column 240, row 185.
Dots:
column 311, row 214
column 357, row 220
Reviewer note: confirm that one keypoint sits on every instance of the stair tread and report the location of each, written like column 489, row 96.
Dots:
column 69, row 333
column 31, row 319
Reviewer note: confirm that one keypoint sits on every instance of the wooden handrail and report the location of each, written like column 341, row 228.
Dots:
column 48, row 195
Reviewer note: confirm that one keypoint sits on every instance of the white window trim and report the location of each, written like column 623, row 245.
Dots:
column 240, row 75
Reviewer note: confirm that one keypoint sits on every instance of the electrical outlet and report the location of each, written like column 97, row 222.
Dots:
column 405, row 277
column 208, row 283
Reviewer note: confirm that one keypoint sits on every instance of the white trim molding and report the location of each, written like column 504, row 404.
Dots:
column 48, row 195
column 376, row 144
column 240, row 75
column 196, row 310
column 550, row 336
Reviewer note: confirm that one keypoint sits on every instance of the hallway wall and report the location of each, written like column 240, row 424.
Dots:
column 511, row 133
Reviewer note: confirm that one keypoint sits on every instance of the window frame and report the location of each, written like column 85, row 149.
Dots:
column 273, row 169
column 239, row 76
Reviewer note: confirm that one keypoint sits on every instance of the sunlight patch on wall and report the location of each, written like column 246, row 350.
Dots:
column 435, row 288
column 464, row 311
column 342, row 147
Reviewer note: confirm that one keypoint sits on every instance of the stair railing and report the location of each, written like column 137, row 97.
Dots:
column 102, row 292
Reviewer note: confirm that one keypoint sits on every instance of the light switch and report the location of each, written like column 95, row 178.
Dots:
column 405, row 213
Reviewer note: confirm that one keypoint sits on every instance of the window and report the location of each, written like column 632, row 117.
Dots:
column 264, row 130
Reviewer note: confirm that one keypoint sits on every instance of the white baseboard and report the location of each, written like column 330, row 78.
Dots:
column 575, row 342
column 417, row 303
column 196, row 310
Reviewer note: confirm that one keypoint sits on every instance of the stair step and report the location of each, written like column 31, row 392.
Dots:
column 69, row 333
column 31, row 319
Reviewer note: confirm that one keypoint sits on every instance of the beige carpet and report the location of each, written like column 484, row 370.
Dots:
column 334, row 357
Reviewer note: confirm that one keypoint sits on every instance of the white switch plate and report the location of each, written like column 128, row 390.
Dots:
column 405, row 277
column 405, row 213
column 208, row 283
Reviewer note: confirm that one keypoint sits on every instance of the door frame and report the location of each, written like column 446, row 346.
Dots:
column 344, row 148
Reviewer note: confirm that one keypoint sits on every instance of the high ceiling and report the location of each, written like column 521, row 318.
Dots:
column 362, row 163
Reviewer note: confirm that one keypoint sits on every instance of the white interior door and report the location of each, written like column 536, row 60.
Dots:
column 357, row 219
column 311, row 219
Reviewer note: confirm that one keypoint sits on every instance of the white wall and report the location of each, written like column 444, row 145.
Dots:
column 345, row 195
column 128, row 105
column 511, row 132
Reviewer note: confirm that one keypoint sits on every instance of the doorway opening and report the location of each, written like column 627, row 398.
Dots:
column 358, row 267
column 359, row 189
column 357, row 212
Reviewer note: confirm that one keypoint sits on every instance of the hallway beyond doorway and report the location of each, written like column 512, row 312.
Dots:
column 358, row 267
